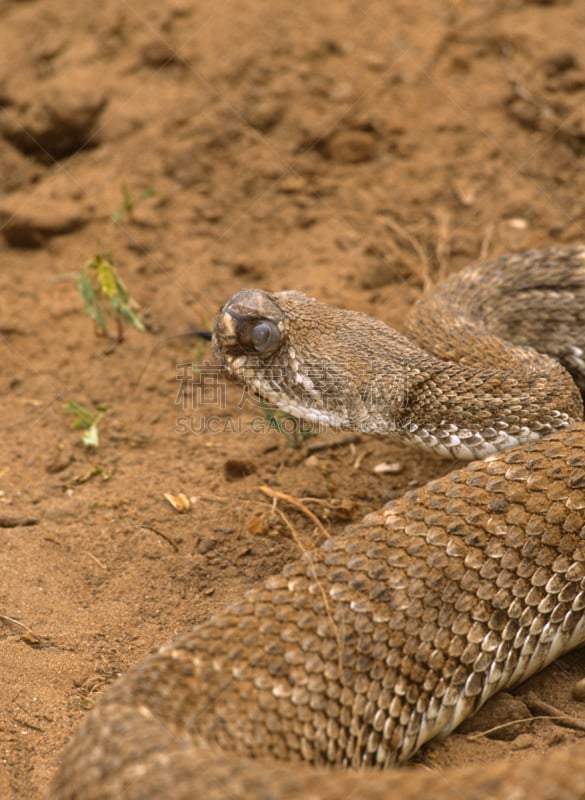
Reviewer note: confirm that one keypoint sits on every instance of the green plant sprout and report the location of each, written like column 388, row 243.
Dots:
column 87, row 420
column 129, row 203
column 290, row 427
column 103, row 292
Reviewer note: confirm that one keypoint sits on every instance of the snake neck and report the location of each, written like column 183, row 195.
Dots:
column 461, row 411
column 485, row 387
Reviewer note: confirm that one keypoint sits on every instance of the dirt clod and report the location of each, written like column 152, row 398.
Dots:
column 28, row 220
column 351, row 147
column 58, row 121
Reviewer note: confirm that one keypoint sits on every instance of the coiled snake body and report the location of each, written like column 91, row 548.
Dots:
column 393, row 633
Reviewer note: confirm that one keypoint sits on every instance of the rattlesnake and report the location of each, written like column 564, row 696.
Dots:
column 394, row 632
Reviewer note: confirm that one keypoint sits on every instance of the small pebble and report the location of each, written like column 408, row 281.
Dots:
column 265, row 115
column 518, row 223
column 384, row 468
column 560, row 62
column 375, row 62
column 157, row 53
column 342, row 92
column 205, row 545
column 351, row 147
column 578, row 691
column 292, row 184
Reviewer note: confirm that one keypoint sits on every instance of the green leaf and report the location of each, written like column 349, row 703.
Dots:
column 117, row 215
column 91, row 437
column 87, row 420
column 90, row 301
column 129, row 315
column 106, row 276
column 103, row 288
column 84, row 417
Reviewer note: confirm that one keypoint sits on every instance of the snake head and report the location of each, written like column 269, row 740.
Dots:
column 326, row 365
column 249, row 323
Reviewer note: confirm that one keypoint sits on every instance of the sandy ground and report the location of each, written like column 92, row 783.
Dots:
column 352, row 150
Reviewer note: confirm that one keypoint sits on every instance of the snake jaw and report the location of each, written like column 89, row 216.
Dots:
column 301, row 398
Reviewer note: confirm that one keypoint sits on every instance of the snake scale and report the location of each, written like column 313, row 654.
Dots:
column 393, row 633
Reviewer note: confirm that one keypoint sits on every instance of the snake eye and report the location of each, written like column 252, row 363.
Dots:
column 249, row 323
column 265, row 336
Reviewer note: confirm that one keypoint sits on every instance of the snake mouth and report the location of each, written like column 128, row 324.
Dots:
column 249, row 323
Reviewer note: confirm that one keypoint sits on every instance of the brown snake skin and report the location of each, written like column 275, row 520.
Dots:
column 396, row 631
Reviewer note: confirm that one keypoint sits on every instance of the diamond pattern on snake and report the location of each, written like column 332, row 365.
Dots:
column 393, row 633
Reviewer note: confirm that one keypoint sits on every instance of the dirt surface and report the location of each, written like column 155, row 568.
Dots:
column 355, row 151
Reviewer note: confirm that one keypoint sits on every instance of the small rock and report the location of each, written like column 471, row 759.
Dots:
column 265, row 115
column 385, row 468
column 342, row 92
column 379, row 273
column 579, row 690
column 375, row 62
column 211, row 214
column 559, row 62
column 27, row 220
column 292, row 184
column 351, row 147
column 157, row 53
column 58, row 462
column 517, row 223
column 206, row 544
column 348, row 241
